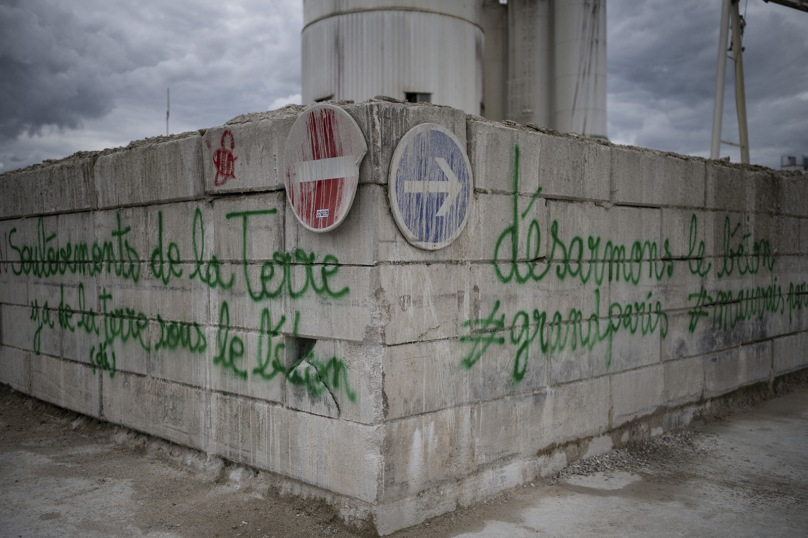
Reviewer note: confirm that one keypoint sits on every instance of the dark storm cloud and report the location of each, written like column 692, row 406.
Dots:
column 47, row 72
column 89, row 74
column 662, row 69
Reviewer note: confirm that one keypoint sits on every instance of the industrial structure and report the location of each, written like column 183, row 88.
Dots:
column 530, row 61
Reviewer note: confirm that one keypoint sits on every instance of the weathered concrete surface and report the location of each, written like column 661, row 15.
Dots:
column 597, row 292
column 742, row 475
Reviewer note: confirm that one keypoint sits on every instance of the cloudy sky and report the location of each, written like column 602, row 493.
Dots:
column 92, row 74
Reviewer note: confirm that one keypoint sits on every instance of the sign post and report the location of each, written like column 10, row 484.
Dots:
column 323, row 152
column 430, row 186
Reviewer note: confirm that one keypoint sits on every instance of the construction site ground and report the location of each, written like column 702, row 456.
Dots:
column 741, row 474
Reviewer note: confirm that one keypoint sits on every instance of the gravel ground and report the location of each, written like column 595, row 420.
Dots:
column 665, row 452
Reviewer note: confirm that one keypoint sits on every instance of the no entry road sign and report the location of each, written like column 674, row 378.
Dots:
column 430, row 186
column 323, row 152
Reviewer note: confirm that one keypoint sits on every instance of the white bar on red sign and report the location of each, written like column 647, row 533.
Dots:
column 334, row 168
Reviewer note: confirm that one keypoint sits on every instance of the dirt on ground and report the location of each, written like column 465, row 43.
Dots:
column 64, row 474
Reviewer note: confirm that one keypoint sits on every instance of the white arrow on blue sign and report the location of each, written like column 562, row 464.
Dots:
column 430, row 186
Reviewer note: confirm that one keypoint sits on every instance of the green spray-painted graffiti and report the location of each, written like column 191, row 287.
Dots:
column 598, row 260
column 107, row 325
column 554, row 333
column 45, row 258
column 615, row 262
column 753, row 257
column 283, row 261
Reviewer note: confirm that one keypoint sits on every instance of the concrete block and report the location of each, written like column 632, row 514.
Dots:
column 768, row 190
column 549, row 295
column 242, row 304
column 566, row 365
column 80, row 228
column 313, row 396
column 162, row 289
column 257, row 148
column 587, row 348
column 40, row 335
column 131, row 353
column 13, row 288
column 264, row 231
column 433, row 301
column 803, row 244
column 522, row 230
column 337, row 455
column 66, row 384
column 65, row 185
column 633, row 350
column 765, row 305
column 564, row 167
column 636, row 393
column 730, row 189
column 628, row 225
column 239, row 429
column 789, row 353
column 755, row 363
column 510, row 428
column 14, row 202
column 15, row 368
column 472, row 489
column 691, row 334
column 729, row 232
column 384, row 124
column 356, row 240
column 26, row 200
column 671, row 290
column 127, row 351
column 780, row 232
column 734, row 368
column 173, row 232
column 151, row 172
column 232, row 360
column 582, row 220
column 644, row 177
column 683, row 381
column 721, row 372
column 169, row 410
column 338, row 379
column 181, row 352
column 794, row 200
column 351, row 316
column 425, row 450
column 574, row 168
column 686, row 230
column 76, row 344
column 429, row 376
column 578, row 410
column 492, row 153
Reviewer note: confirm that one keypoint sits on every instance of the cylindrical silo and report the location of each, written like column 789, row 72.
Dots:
column 408, row 49
column 530, row 79
column 580, row 66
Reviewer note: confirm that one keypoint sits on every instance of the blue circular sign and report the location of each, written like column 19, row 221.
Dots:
column 430, row 186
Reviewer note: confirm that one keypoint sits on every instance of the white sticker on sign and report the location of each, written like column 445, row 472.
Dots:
column 322, row 213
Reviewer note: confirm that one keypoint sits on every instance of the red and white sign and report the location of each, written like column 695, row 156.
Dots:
column 323, row 152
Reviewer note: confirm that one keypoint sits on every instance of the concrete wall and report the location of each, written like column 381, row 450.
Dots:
column 595, row 288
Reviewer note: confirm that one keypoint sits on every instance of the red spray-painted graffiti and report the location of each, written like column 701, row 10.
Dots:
column 224, row 160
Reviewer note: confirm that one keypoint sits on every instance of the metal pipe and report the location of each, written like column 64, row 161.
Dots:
column 740, row 94
column 718, row 110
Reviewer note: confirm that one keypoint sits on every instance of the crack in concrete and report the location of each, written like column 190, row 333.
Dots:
column 320, row 378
